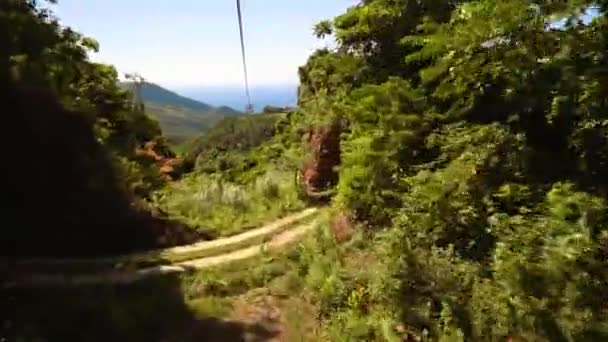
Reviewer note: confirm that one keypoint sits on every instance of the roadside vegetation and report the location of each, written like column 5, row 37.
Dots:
column 221, row 207
column 235, row 176
column 475, row 162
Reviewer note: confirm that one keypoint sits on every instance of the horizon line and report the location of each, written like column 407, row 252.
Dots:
column 232, row 85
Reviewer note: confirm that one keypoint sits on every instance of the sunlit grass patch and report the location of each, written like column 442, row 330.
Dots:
column 225, row 208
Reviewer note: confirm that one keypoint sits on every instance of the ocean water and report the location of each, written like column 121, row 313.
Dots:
column 280, row 95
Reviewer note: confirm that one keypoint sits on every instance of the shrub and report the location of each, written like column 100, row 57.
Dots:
column 214, row 203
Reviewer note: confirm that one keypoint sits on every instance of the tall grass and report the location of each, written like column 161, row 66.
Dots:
column 225, row 208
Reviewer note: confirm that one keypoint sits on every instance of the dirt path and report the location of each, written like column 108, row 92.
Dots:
column 252, row 234
column 176, row 252
column 128, row 276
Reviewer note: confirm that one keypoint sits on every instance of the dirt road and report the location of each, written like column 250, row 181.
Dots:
column 277, row 241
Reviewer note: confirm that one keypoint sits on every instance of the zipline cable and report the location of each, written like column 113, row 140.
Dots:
column 249, row 108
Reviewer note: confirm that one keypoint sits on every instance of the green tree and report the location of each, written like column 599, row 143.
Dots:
column 477, row 135
column 71, row 136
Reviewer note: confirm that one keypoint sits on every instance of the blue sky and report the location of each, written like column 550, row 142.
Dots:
column 183, row 43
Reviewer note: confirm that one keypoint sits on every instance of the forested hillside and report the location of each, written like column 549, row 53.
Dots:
column 180, row 124
column 476, row 155
column 180, row 117
column 220, row 148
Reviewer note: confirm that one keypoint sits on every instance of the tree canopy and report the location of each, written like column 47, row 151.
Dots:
column 478, row 137
column 71, row 138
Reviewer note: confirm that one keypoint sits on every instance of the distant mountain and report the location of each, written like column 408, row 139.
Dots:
column 151, row 92
column 181, row 118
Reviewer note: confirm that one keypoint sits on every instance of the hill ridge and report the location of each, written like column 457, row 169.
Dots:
column 152, row 92
column 181, row 118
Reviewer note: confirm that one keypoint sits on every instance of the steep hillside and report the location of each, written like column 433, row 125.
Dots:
column 181, row 118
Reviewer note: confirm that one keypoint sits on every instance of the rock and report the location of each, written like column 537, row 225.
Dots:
column 320, row 170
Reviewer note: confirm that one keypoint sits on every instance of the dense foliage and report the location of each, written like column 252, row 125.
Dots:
column 73, row 136
column 228, row 146
column 478, row 145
